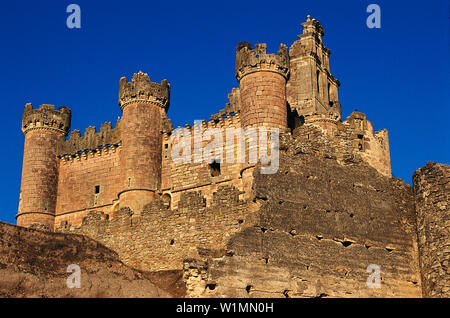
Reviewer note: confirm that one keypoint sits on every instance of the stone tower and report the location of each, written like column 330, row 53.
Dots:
column 262, row 79
column 43, row 128
column 144, row 105
column 312, row 92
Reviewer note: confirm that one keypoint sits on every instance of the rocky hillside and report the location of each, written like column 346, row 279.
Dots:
column 34, row 263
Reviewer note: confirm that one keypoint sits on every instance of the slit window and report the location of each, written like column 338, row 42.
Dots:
column 97, row 189
column 318, row 82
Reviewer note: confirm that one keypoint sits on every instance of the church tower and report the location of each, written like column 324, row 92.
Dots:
column 312, row 91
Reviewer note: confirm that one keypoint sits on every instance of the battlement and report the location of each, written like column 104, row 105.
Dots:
column 91, row 140
column 141, row 90
column 250, row 60
column 232, row 107
column 46, row 117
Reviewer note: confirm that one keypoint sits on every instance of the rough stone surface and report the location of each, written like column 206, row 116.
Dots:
column 432, row 194
column 34, row 264
column 319, row 227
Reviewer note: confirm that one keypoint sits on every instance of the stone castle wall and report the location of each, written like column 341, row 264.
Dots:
column 311, row 230
column 160, row 238
column 432, row 197
column 81, row 178
column 319, row 227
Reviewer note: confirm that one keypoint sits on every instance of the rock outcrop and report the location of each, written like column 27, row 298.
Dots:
column 34, row 263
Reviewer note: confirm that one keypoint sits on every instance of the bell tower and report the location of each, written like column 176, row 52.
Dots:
column 311, row 89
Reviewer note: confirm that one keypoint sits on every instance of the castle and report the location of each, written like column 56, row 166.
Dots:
column 121, row 187
column 130, row 165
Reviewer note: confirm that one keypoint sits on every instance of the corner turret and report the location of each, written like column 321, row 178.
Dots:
column 44, row 128
column 262, row 78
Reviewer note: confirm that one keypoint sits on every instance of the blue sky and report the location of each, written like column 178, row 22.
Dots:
column 398, row 75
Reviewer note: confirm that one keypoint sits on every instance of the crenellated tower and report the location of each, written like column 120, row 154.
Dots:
column 262, row 79
column 144, row 105
column 312, row 91
column 43, row 129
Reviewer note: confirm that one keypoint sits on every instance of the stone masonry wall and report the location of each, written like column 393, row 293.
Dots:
column 320, row 225
column 432, row 197
column 160, row 238
column 178, row 178
column 78, row 179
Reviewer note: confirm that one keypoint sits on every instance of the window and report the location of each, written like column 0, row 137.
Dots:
column 318, row 82
column 330, row 100
column 97, row 189
column 360, row 147
column 166, row 198
column 214, row 168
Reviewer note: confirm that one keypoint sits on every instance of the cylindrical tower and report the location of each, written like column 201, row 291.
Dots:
column 43, row 129
column 144, row 105
column 262, row 78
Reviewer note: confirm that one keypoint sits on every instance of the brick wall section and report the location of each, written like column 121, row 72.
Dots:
column 432, row 197
column 263, row 100
column 78, row 178
column 39, row 177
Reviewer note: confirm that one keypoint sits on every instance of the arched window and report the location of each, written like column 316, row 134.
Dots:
column 167, row 199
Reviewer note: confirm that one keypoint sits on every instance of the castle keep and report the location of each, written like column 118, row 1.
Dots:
column 308, row 230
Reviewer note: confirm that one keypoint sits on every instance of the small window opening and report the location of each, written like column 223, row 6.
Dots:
column 166, row 200
column 318, row 82
column 329, row 95
column 97, row 189
column 214, row 168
